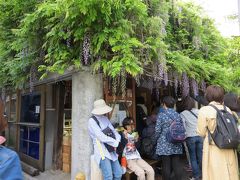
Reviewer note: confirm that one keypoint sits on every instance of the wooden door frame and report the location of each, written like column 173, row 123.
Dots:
column 39, row 164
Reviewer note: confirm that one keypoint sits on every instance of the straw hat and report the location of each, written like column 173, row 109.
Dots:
column 100, row 107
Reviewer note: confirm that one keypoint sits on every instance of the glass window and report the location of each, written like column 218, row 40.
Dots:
column 30, row 108
column 29, row 141
column 29, row 135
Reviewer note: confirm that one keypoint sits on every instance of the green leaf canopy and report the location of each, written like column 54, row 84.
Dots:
column 113, row 36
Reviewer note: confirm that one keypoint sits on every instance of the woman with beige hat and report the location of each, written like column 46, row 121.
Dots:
column 104, row 145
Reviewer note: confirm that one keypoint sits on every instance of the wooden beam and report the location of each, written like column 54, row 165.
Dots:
column 29, row 169
column 58, row 134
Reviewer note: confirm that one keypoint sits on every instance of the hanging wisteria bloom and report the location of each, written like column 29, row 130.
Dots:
column 163, row 28
column 165, row 77
column 203, row 85
column 86, row 48
column 143, row 82
column 175, row 78
column 137, row 80
column 155, row 71
column 68, row 39
column 32, row 77
column 150, row 83
column 194, row 87
column 160, row 70
column 170, row 78
column 123, row 83
column 185, row 85
column 114, row 86
column 196, row 42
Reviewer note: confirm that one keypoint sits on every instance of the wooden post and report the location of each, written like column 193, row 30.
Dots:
column 58, row 134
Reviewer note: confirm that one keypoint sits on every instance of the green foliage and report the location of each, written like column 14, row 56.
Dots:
column 233, row 53
column 113, row 27
column 124, row 35
column 13, row 66
column 196, row 47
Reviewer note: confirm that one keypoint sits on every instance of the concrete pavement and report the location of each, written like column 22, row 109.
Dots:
column 49, row 175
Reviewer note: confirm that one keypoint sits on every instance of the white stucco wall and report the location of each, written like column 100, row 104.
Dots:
column 86, row 88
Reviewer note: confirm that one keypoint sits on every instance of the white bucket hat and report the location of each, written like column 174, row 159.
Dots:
column 100, row 107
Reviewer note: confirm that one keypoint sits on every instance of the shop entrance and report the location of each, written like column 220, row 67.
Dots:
column 67, row 128
column 127, row 105
column 31, row 128
column 148, row 102
column 59, row 126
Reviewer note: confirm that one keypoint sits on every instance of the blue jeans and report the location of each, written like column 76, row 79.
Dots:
column 195, row 146
column 10, row 167
column 111, row 170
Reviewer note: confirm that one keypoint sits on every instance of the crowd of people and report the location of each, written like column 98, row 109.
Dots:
column 159, row 135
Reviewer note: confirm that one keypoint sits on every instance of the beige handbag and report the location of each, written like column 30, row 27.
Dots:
column 96, row 173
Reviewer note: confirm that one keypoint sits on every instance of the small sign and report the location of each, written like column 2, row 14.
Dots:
column 37, row 109
column 8, row 99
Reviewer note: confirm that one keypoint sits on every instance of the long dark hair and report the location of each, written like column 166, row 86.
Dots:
column 231, row 101
column 188, row 103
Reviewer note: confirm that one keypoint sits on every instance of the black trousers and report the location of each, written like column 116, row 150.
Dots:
column 172, row 167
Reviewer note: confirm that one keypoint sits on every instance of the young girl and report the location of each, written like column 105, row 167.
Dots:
column 130, row 152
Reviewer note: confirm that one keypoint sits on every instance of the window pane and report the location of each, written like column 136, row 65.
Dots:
column 34, row 134
column 23, row 133
column 23, row 146
column 34, row 150
column 30, row 108
column 29, row 141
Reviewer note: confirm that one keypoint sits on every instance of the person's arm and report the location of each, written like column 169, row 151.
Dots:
column 95, row 130
column 202, row 123
column 122, row 144
column 124, row 138
column 117, row 135
column 138, row 144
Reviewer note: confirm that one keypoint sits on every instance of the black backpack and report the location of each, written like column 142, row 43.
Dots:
column 147, row 147
column 226, row 135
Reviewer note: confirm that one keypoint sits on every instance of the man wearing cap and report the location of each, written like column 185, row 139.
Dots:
column 107, row 161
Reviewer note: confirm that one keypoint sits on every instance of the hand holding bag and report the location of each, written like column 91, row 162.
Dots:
column 107, row 131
